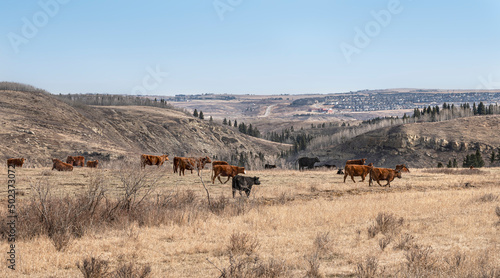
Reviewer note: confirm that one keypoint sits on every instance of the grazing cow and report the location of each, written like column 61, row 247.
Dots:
column 241, row 183
column 354, row 170
column 93, row 164
column 380, row 174
column 269, row 166
column 16, row 162
column 153, row 160
column 76, row 160
column 356, row 161
column 216, row 162
column 471, row 167
column 402, row 168
column 61, row 166
column 191, row 163
column 340, row 171
column 228, row 171
column 307, row 162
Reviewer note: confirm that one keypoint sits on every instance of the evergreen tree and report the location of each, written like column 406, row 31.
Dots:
column 479, row 159
column 440, row 165
column 224, row 122
column 455, row 164
column 201, row 116
column 449, row 164
column 474, row 108
column 492, row 157
column 481, row 109
column 195, row 113
column 235, row 123
column 211, row 120
column 229, row 123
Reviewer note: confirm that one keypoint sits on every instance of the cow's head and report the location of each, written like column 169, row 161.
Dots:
column 256, row 180
column 364, row 160
column 207, row 159
column 398, row 174
column 165, row 156
column 371, row 164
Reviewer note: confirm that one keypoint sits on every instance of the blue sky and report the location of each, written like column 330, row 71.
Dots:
column 249, row 47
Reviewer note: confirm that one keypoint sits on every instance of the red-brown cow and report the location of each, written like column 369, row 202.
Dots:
column 153, row 160
column 93, row 164
column 176, row 163
column 381, row 174
column 217, row 162
column 354, row 170
column 61, row 166
column 356, row 161
column 76, row 160
column 402, row 168
column 16, row 162
column 191, row 163
column 228, row 171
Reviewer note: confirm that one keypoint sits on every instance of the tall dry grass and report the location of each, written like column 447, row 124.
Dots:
column 436, row 225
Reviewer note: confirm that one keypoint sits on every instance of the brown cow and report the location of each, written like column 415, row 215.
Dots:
column 61, row 166
column 176, row 163
column 380, row 174
column 217, row 162
column 16, row 162
column 153, row 160
column 402, row 168
column 190, row 163
column 76, row 160
column 356, row 161
column 228, row 171
column 356, row 171
column 93, row 164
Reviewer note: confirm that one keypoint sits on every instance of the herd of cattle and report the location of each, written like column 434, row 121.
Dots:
column 353, row 168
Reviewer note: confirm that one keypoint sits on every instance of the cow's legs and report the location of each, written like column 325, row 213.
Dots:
column 352, row 177
column 345, row 176
column 228, row 177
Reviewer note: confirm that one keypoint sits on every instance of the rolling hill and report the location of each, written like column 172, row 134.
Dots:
column 38, row 126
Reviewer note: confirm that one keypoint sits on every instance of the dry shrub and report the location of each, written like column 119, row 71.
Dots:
column 368, row 268
column 419, row 262
column 242, row 243
column 383, row 242
column 313, row 264
column 131, row 271
column 488, row 198
column 94, row 268
column 254, row 267
column 404, row 242
column 322, row 244
column 385, row 223
column 459, row 264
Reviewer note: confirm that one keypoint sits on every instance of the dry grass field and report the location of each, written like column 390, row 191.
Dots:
column 430, row 223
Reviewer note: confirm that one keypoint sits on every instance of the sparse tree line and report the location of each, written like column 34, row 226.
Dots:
column 472, row 160
column 19, row 87
column 243, row 128
column 115, row 100
column 448, row 112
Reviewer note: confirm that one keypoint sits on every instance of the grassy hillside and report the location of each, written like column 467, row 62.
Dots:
column 38, row 126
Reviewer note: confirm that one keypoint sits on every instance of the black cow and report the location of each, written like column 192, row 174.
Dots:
column 340, row 171
column 242, row 183
column 307, row 162
column 269, row 166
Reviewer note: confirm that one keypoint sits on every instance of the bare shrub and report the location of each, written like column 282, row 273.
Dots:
column 322, row 243
column 137, row 186
column 368, row 268
column 242, row 243
column 313, row 264
column 93, row 268
column 497, row 211
column 404, row 242
column 385, row 223
column 131, row 271
column 284, row 197
column 419, row 262
column 217, row 206
column 383, row 242
column 254, row 267
column 451, row 171
column 488, row 198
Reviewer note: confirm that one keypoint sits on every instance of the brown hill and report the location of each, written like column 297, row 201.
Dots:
column 421, row 144
column 38, row 126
